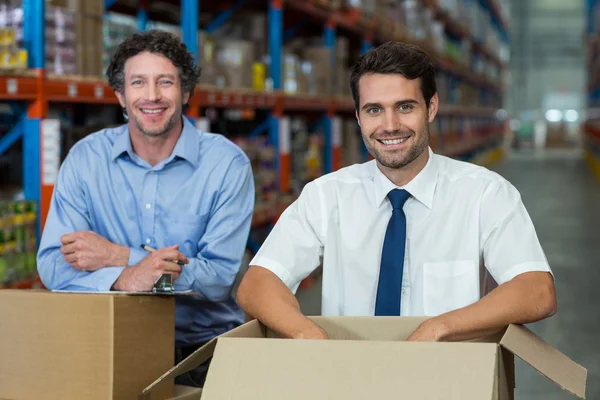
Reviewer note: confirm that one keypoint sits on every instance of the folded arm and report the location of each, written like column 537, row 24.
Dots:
column 67, row 235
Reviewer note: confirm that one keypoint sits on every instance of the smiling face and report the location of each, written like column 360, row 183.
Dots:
column 394, row 119
column 152, row 94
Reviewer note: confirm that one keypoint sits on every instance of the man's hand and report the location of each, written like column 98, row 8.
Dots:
column 143, row 275
column 429, row 331
column 312, row 331
column 88, row 251
column 527, row 298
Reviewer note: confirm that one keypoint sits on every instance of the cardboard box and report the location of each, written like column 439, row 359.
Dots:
column 370, row 358
column 84, row 346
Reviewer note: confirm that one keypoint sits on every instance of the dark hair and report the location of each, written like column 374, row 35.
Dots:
column 157, row 42
column 396, row 58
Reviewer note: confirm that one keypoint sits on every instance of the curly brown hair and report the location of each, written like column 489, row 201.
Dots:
column 396, row 58
column 157, row 42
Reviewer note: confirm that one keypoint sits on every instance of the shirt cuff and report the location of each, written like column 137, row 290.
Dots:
column 186, row 278
column 534, row 266
column 288, row 279
column 106, row 278
column 136, row 255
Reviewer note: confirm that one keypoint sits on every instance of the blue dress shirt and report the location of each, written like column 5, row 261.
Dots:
column 201, row 197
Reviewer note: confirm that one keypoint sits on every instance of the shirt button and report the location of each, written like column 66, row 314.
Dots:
column 148, row 206
column 148, row 241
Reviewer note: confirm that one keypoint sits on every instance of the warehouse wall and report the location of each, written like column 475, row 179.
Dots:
column 547, row 56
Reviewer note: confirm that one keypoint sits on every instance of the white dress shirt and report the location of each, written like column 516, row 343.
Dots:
column 467, row 231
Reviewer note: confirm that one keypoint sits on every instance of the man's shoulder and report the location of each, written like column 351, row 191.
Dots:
column 463, row 171
column 221, row 147
column 97, row 144
column 352, row 174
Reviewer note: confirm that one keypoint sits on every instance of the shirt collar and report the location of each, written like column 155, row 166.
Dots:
column 422, row 187
column 187, row 146
column 122, row 143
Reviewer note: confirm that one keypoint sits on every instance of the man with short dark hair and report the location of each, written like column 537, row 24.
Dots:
column 155, row 181
column 410, row 233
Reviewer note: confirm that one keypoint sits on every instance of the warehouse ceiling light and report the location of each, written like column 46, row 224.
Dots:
column 571, row 115
column 553, row 115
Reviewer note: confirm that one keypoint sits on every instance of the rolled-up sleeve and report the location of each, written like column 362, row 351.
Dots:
column 294, row 247
column 510, row 242
column 68, row 213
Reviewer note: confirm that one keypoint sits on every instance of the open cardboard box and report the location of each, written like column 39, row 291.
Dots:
column 369, row 358
column 84, row 346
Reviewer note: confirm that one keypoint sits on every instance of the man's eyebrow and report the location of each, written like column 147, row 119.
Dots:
column 398, row 103
column 137, row 76
column 371, row 105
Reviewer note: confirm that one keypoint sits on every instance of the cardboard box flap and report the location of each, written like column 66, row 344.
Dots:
column 252, row 329
column 186, row 393
column 274, row 369
column 547, row 360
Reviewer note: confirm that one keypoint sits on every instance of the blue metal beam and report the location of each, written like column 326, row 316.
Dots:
column 11, row 137
column 190, row 10
column 329, row 39
column 291, row 32
column 589, row 15
column 274, row 138
column 317, row 124
column 33, row 32
column 261, row 128
column 32, row 182
column 365, row 46
column 109, row 3
column 275, row 42
column 142, row 16
column 224, row 16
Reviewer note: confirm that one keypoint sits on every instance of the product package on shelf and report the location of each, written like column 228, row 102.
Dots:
column 18, row 243
column 268, row 202
column 12, row 54
column 306, row 154
column 237, row 54
column 212, row 70
column 320, row 58
column 116, row 28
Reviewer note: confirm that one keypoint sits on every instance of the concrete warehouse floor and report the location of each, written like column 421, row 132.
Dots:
column 563, row 199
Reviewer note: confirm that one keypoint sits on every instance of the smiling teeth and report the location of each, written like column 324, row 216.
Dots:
column 395, row 141
column 152, row 111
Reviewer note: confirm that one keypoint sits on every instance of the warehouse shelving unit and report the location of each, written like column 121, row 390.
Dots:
column 464, row 132
column 592, row 125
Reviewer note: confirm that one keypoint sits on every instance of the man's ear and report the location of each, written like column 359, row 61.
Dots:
column 357, row 117
column 121, row 98
column 433, row 107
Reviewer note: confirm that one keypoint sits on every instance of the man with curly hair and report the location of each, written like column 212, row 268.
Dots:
column 155, row 181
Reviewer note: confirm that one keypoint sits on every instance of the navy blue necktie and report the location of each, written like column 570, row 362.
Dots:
column 392, row 258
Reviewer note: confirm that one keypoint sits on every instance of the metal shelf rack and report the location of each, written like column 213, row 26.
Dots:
column 34, row 89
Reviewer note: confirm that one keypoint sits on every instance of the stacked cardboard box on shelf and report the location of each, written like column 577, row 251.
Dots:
column 116, row 28
column 88, row 17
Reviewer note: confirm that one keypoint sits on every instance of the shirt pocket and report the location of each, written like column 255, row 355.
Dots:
column 186, row 230
column 449, row 286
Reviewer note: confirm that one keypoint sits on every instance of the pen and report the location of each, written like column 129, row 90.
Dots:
column 148, row 248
